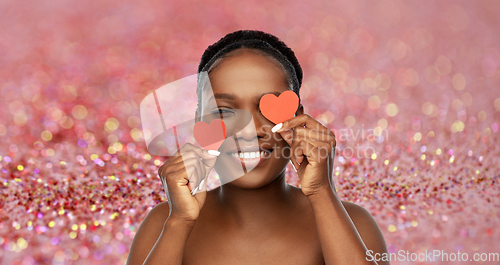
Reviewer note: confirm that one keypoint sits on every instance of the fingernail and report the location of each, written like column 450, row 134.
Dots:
column 214, row 152
column 277, row 127
column 200, row 187
column 294, row 167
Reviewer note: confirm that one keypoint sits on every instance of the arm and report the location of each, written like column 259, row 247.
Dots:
column 349, row 224
column 169, row 249
column 162, row 236
column 159, row 239
column 347, row 232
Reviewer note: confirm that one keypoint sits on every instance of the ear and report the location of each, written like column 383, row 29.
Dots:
column 197, row 117
column 300, row 111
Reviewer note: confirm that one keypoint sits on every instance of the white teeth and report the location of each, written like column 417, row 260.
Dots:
column 249, row 155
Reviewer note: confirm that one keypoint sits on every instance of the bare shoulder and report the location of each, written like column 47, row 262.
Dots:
column 148, row 233
column 158, row 214
column 161, row 210
column 357, row 213
column 367, row 228
column 362, row 219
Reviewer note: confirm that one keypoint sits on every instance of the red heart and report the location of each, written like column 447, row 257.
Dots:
column 210, row 136
column 279, row 109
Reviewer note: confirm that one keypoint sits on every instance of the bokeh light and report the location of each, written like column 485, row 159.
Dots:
column 76, row 179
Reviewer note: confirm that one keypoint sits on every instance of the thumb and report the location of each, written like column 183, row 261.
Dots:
column 201, row 195
column 287, row 136
column 209, row 157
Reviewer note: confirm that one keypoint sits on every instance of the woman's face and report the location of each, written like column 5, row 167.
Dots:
column 252, row 156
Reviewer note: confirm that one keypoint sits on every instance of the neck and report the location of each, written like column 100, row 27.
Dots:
column 254, row 208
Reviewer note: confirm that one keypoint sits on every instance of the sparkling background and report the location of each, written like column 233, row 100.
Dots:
column 415, row 83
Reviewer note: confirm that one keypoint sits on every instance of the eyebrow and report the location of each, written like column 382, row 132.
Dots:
column 223, row 96
column 232, row 97
column 274, row 93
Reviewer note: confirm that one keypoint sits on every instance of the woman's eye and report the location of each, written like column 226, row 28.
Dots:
column 223, row 112
column 220, row 111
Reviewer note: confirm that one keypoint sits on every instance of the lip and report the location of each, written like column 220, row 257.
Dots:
column 249, row 148
column 249, row 163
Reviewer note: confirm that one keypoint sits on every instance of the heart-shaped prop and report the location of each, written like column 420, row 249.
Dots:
column 210, row 136
column 279, row 109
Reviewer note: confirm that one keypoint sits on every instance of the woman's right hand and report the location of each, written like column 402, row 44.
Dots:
column 183, row 173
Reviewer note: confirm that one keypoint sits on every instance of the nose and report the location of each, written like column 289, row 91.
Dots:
column 256, row 128
column 248, row 132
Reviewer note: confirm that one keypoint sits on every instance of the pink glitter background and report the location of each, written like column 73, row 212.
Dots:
column 76, row 179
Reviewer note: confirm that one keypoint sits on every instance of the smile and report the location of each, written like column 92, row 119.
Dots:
column 249, row 157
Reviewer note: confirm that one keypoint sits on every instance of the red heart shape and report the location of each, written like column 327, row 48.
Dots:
column 210, row 136
column 279, row 109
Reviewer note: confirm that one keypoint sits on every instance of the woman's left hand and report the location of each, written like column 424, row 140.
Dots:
column 312, row 152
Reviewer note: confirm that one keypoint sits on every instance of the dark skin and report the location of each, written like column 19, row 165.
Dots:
column 257, row 218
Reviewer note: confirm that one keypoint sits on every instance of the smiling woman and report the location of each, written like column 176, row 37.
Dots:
column 255, row 217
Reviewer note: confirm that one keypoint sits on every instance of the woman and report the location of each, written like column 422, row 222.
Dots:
column 256, row 218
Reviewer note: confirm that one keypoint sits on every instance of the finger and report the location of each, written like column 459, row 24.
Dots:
column 203, row 184
column 193, row 171
column 203, row 153
column 207, row 160
column 200, row 179
column 190, row 157
column 184, row 149
column 170, row 161
column 323, row 149
column 182, row 181
column 187, row 176
column 201, row 194
column 294, row 167
column 187, row 151
column 171, row 176
column 175, row 159
column 195, row 154
column 296, row 154
column 304, row 134
column 287, row 136
column 174, row 165
column 306, row 149
column 303, row 120
column 195, row 179
column 294, row 162
column 179, row 176
column 201, row 173
column 313, row 134
column 165, row 170
column 208, row 157
column 203, row 170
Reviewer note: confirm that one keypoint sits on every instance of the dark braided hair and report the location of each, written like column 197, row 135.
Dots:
column 260, row 41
